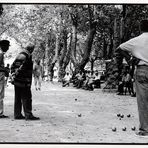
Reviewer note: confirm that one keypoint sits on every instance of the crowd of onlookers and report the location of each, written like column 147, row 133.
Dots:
column 83, row 79
column 86, row 80
column 89, row 80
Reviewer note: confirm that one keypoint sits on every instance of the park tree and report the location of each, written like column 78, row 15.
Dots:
column 72, row 34
column 30, row 23
column 127, row 26
column 88, row 21
column 61, row 33
column 109, row 37
column 69, row 33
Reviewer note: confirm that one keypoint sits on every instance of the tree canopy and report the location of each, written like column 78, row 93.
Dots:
column 69, row 35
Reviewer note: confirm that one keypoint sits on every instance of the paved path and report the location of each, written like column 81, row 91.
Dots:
column 73, row 116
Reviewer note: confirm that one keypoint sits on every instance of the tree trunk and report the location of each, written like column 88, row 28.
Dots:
column 67, row 57
column 88, row 45
column 46, row 60
column 115, row 35
column 122, row 25
column 51, row 70
column 110, row 52
column 61, row 71
column 74, row 18
column 68, row 54
column 73, row 44
column 104, row 48
column 111, row 68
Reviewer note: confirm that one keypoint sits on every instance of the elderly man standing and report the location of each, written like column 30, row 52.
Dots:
column 138, row 48
column 21, row 71
column 4, row 46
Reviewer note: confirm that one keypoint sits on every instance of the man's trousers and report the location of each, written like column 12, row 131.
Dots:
column 2, row 89
column 23, row 97
column 142, row 95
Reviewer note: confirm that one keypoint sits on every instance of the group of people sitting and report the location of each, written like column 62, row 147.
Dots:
column 85, row 80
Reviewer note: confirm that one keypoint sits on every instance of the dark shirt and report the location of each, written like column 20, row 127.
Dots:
column 23, row 67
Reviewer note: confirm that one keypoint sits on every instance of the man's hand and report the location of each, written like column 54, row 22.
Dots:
column 134, row 61
column 12, row 77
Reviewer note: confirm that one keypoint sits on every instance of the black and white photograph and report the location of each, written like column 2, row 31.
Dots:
column 74, row 73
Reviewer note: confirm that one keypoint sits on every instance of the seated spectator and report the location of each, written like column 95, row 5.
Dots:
column 87, row 85
column 66, row 80
column 96, row 80
column 73, row 79
column 80, row 79
column 90, row 83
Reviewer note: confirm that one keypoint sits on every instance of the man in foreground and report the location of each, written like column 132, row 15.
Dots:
column 4, row 46
column 138, row 48
column 21, row 71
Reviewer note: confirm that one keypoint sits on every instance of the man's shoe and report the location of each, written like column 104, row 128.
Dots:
column 119, row 93
column 142, row 133
column 133, row 95
column 19, row 117
column 3, row 116
column 32, row 118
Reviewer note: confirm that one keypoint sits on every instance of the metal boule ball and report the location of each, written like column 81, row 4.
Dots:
column 79, row 115
column 124, row 129
column 128, row 115
column 114, row 129
column 122, row 116
column 133, row 128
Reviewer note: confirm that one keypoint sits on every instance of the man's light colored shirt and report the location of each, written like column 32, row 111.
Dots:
column 138, row 47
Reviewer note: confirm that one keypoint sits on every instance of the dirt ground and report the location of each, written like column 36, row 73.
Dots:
column 73, row 116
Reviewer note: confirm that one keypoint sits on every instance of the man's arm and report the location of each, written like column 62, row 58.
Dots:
column 119, row 55
column 20, row 59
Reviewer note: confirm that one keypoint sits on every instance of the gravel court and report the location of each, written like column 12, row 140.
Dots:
column 72, row 115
